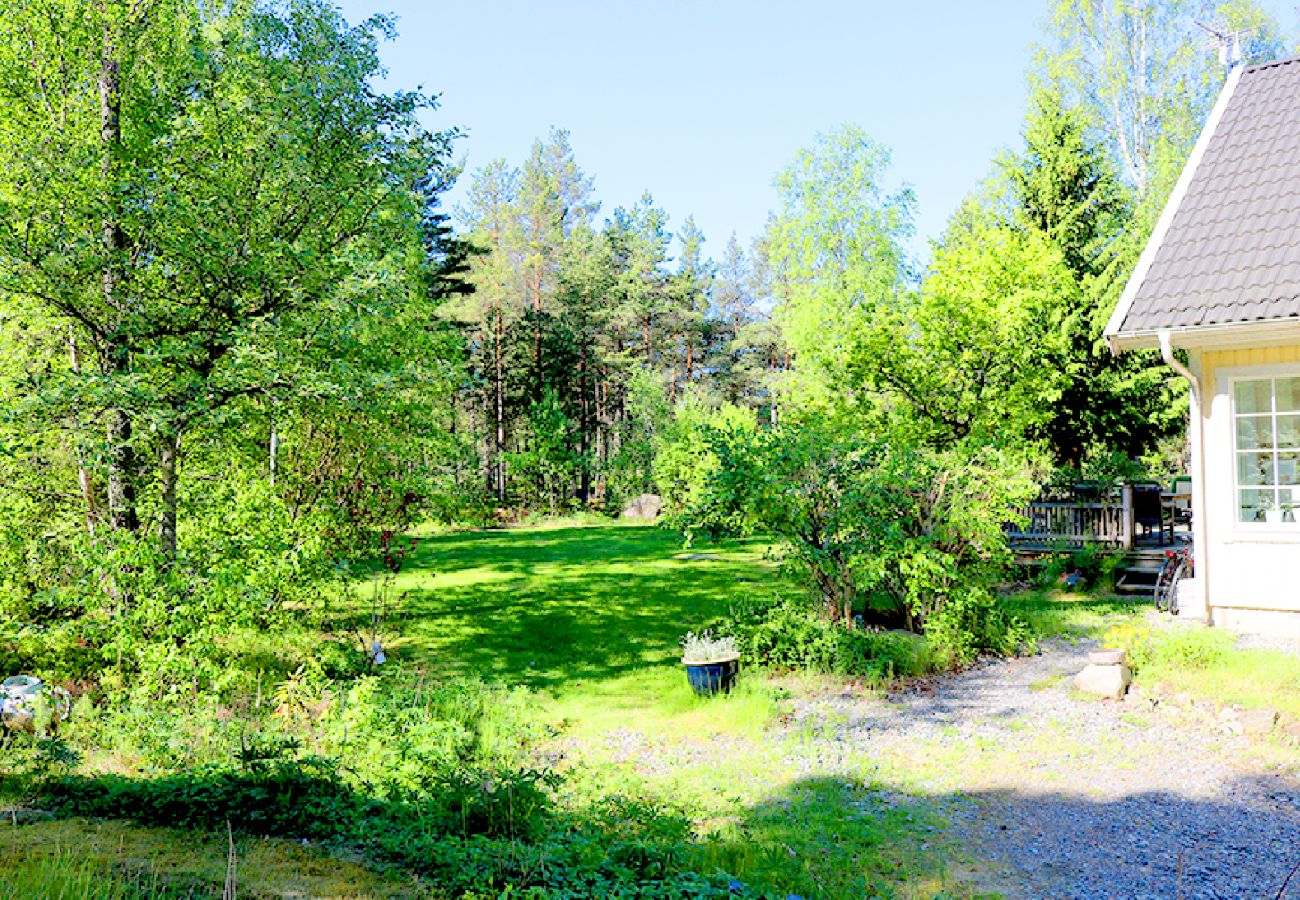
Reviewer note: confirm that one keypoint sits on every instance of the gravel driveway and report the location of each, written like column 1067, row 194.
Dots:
column 1079, row 798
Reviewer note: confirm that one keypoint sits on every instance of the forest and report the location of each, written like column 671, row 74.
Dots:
column 250, row 354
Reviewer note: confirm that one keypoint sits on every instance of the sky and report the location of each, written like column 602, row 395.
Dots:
column 701, row 103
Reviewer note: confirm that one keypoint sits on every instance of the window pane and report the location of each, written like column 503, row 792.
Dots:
column 1288, row 472
column 1288, row 394
column 1255, row 468
column 1254, row 432
column 1288, row 431
column 1251, row 505
column 1254, row 396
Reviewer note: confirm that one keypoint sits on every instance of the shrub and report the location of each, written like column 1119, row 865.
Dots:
column 1092, row 568
column 790, row 633
column 866, row 519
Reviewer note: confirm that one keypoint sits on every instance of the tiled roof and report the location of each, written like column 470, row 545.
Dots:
column 1231, row 253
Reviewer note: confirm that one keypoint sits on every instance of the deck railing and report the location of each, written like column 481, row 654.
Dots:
column 1105, row 522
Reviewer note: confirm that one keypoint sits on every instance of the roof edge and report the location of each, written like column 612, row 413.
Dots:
column 1275, row 331
column 1139, row 274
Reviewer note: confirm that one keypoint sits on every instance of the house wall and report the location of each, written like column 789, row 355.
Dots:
column 1251, row 571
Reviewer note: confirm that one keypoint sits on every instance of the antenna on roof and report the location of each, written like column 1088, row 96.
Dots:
column 1227, row 42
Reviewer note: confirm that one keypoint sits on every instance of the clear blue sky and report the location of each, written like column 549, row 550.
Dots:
column 701, row 102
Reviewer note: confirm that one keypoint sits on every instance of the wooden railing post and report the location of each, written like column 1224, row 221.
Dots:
column 1127, row 525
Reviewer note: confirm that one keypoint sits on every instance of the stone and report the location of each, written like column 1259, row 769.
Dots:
column 1291, row 728
column 1107, row 657
column 1258, row 721
column 1104, row 681
column 646, row 506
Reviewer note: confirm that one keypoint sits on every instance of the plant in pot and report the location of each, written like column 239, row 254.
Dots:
column 1272, row 512
column 711, row 662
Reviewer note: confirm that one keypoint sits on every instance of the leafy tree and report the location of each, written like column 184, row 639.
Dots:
column 202, row 182
column 874, row 527
column 835, row 251
column 973, row 356
column 1140, row 69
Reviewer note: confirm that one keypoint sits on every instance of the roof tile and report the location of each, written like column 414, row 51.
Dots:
column 1232, row 251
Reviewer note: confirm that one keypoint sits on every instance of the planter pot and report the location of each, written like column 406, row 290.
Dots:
column 708, row 678
column 1273, row 516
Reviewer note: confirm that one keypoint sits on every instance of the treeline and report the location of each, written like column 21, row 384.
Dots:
column 582, row 334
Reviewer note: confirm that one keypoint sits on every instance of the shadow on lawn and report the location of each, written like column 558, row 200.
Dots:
column 1152, row 844
column 546, row 607
column 523, row 549
column 821, row 836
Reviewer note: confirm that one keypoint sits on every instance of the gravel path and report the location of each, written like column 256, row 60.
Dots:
column 1075, row 798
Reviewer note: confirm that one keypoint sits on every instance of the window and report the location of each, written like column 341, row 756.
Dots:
column 1266, row 416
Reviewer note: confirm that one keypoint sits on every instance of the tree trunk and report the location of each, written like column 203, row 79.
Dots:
column 500, row 412
column 537, row 335
column 83, row 475
column 114, row 353
column 584, row 429
column 168, row 471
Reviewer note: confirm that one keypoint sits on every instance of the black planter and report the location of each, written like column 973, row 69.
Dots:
column 708, row 678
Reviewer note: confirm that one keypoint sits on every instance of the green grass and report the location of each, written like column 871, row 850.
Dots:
column 1055, row 613
column 565, row 609
column 78, row 859
column 590, row 617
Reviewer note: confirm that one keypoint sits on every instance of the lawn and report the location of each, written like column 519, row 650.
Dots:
column 587, row 619
column 559, row 608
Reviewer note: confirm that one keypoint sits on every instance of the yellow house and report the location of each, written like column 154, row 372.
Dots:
column 1220, row 280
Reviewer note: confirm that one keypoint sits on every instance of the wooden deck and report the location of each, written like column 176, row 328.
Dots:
column 1054, row 526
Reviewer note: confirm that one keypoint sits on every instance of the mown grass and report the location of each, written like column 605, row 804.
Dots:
column 591, row 617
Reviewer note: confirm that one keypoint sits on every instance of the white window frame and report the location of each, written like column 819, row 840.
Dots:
column 1231, row 379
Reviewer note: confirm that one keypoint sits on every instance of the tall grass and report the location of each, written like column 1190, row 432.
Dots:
column 63, row 875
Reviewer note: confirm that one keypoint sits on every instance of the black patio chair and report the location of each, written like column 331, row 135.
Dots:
column 1148, row 509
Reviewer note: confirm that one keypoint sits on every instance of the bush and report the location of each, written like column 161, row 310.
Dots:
column 791, row 634
column 972, row 623
column 1092, row 568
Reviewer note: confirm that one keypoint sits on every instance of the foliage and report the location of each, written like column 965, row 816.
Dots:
column 835, row 247
column 1090, row 568
column 973, row 355
column 791, row 633
column 1065, row 188
column 1149, row 86
column 684, row 459
column 872, row 525
column 547, row 463
column 706, row 647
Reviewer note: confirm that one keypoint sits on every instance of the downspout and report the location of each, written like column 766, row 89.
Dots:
column 1197, row 434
